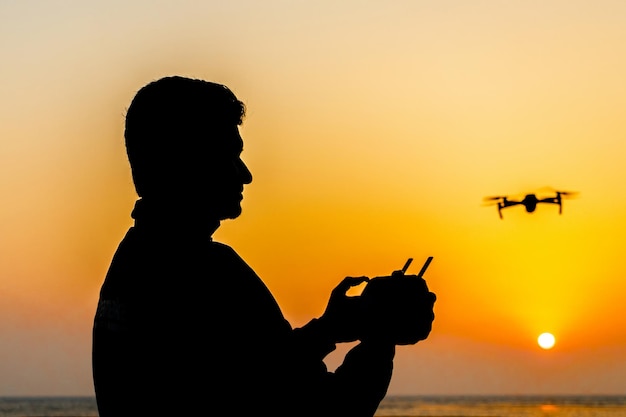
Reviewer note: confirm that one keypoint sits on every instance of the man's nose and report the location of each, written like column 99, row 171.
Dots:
column 244, row 172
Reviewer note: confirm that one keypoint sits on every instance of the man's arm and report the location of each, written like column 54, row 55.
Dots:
column 360, row 383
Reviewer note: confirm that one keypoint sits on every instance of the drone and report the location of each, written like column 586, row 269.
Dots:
column 530, row 201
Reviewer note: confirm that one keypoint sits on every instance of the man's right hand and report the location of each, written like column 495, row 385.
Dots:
column 343, row 314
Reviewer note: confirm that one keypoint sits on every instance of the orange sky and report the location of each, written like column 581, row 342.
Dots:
column 373, row 133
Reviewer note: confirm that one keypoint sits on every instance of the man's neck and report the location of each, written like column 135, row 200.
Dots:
column 174, row 217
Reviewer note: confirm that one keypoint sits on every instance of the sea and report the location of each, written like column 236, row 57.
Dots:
column 400, row 406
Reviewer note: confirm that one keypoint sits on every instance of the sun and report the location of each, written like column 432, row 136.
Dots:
column 546, row 340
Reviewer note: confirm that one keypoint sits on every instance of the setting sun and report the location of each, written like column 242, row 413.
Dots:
column 546, row 340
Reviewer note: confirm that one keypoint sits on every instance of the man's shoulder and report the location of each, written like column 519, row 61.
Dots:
column 222, row 249
column 219, row 246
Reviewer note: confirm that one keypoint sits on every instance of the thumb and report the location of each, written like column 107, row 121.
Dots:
column 347, row 283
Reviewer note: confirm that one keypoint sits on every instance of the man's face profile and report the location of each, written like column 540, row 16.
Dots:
column 220, row 174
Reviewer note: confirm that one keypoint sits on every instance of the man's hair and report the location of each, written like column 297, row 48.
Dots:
column 171, row 119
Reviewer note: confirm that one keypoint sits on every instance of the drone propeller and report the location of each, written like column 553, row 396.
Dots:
column 492, row 201
column 568, row 194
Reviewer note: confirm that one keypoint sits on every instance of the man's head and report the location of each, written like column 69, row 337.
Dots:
column 182, row 140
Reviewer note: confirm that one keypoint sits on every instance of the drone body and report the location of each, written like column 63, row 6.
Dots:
column 529, row 201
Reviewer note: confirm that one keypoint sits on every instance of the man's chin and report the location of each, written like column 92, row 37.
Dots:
column 231, row 213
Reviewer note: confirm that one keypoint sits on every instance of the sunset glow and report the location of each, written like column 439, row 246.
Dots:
column 373, row 132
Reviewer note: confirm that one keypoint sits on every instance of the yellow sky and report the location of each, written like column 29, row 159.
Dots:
column 374, row 130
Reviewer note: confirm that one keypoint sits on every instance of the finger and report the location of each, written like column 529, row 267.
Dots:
column 348, row 282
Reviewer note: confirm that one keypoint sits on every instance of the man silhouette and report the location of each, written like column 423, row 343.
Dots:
column 184, row 326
